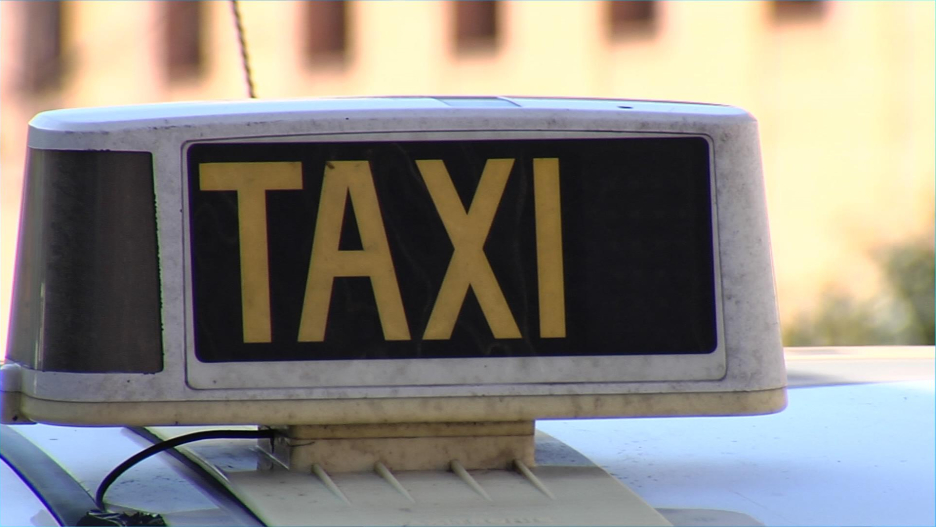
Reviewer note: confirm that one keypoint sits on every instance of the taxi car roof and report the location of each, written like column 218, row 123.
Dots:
column 855, row 446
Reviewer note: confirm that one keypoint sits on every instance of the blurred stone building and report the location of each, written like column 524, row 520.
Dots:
column 844, row 92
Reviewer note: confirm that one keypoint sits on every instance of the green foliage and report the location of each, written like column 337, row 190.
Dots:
column 909, row 270
column 902, row 313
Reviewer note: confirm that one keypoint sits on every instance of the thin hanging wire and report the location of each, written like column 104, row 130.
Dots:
column 243, row 49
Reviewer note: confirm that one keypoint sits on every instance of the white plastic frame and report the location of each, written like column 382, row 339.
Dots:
column 749, row 355
column 467, row 371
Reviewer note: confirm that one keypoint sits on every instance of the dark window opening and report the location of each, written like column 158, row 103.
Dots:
column 476, row 25
column 42, row 46
column 631, row 19
column 183, row 39
column 327, row 29
column 797, row 10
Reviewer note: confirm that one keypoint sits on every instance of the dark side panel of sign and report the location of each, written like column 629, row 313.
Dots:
column 451, row 249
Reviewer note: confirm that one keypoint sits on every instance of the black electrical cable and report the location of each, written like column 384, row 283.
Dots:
column 209, row 481
column 172, row 443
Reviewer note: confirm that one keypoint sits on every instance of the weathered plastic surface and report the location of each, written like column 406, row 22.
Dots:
column 435, row 446
column 743, row 375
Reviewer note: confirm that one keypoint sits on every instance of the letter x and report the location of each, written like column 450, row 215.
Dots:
column 469, row 266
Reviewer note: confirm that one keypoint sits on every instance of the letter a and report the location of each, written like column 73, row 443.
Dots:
column 354, row 179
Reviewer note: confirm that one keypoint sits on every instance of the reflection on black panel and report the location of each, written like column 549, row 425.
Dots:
column 339, row 251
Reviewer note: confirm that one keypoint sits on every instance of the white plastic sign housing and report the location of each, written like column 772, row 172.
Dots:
column 392, row 260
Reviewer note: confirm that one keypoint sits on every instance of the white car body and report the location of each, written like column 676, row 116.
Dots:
column 854, row 447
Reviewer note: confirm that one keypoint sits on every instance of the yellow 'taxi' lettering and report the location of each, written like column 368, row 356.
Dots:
column 251, row 181
column 354, row 179
column 549, row 247
column 469, row 266
column 468, row 231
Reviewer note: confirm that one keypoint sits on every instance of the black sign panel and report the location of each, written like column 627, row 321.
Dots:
column 451, row 249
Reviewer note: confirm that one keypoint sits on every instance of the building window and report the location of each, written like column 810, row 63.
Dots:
column 630, row 19
column 42, row 46
column 327, row 35
column 183, row 22
column 475, row 25
column 797, row 10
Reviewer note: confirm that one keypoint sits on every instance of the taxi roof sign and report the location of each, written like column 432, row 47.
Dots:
column 385, row 260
